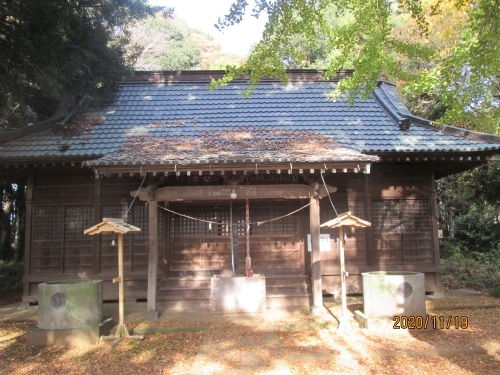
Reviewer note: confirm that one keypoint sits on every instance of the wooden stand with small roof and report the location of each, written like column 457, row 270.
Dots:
column 344, row 220
column 111, row 225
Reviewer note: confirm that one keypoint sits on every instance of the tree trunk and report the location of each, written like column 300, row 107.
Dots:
column 20, row 207
column 5, row 222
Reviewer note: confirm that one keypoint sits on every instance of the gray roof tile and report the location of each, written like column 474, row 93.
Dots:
column 184, row 112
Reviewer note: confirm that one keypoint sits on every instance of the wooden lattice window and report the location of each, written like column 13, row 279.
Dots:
column 415, row 216
column 114, row 211
column 47, row 244
column 76, row 220
column 185, row 227
column 48, row 223
column 59, row 245
column 259, row 212
column 263, row 211
column 357, row 208
column 140, row 219
column 394, row 216
column 77, row 246
column 341, row 204
column 239, row 217
column 386, row 216
column 356, row 183
column 402, row 231
column 135, row 245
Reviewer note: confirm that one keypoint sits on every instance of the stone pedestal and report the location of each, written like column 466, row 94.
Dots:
column 238, row 294
column 69, row 314
column 387, row 294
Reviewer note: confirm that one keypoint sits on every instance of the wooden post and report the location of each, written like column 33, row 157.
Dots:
column 96, row 243
column 118, row 226
column 121, row 332
column 345, row 219
column 151, row 313
column 248, row 260
column 344, row 324
column 28, row 234
column 314, row 219
column 438, row 291
column 370, row 249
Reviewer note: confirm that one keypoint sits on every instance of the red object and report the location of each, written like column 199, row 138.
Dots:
column 249, row 273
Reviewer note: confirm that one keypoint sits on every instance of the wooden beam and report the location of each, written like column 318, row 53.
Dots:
column 314, row 220
column 181, row 193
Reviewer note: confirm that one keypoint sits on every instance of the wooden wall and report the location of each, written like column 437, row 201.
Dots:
column 399, row 200
column 63, row 203
column 201, row 246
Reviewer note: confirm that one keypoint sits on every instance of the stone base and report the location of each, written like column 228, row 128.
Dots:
column 374, row 324
column 467, row 292
column 69, row 337
column 386, row 324
column 238, row 294
column 435, row 296
column 319, row 311
column 26, row 305
column 152, row 315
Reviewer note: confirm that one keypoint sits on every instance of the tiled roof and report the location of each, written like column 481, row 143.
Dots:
column 186, row 122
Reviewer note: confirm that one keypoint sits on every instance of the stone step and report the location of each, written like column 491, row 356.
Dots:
column 276, row 301
column 281, row 290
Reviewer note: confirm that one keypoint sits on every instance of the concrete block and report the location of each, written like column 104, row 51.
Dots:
column 238, row 294
column 69, row 337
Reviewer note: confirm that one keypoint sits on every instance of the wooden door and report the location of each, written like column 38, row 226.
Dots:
column 197, row 245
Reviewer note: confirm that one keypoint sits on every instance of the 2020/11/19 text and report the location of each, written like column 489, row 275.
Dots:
column 435, row 322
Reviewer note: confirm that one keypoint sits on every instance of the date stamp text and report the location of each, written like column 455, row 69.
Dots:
column 435, row 322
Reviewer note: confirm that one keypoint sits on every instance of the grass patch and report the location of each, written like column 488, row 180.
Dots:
column 11, row 282
column 461, row 272
column 11, row 277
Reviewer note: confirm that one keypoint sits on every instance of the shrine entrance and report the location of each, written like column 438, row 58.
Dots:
column 203, row 244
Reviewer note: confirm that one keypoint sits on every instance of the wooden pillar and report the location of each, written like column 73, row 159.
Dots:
column 28, row 238
column 434, row 235
column 166, row 241
column 370, row 249
column 153, row 258
column 96, row 240
column 314, row 218
column 303, row 230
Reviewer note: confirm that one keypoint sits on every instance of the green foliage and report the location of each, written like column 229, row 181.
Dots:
column 449, row 249
column 477, row 230
column 495, row 291
column 56, row 52
column 222, row 61
column 426, row 105
column 469, row 207
column 462, row 272
column 163, row 42
column 445, row 50
column 12, row 220
column 11, row 277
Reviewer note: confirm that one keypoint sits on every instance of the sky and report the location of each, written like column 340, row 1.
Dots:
column 203, row 14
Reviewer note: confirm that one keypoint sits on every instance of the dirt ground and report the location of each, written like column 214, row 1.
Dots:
column 8, row 298
column 286, row 341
